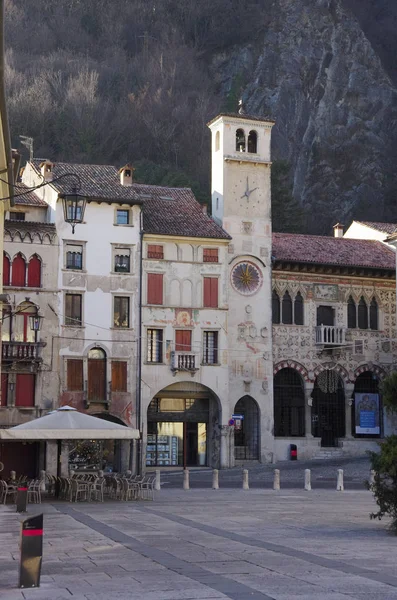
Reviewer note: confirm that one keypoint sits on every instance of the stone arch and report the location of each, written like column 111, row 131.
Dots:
column 344, row 374
column 241, row 257
column 292, row 364
column 247, row 438
column 289, row 403
column 375, row 369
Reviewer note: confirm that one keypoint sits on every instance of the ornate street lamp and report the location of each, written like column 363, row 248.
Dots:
column 73, row 207
column 35, row 322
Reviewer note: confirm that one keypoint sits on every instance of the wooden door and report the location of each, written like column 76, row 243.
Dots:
column 97, row 380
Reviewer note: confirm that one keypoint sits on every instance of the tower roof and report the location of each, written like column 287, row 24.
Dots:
column 242, row 117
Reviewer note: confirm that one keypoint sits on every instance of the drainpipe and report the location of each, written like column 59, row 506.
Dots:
column 139, row 354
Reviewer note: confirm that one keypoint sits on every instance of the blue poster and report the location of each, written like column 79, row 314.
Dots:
column 367, row 414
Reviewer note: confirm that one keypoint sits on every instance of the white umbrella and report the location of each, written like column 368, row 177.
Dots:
column 67, row 423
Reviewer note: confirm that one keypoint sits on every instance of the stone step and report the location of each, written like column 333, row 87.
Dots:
column 328, row 453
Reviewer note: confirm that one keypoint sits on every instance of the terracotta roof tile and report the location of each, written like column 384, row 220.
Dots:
column 24, row 197
column 383, row 227
column 315, row 249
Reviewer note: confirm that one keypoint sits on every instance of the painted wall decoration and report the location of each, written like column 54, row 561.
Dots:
column 326, row 292
column 246, row 278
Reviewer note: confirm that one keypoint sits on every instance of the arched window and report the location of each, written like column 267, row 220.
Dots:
column 351, row 314
column 18, row 271
column 252, row 141
column 34, row 272
column 298, row 309
column 217, row 141
column 289, row 404
column 97, row 375
column 240, row 140
column 22, row 331
column 6, row 269
column 362, row 314
column 287, row 309
column 275, row 307
column 373, row 314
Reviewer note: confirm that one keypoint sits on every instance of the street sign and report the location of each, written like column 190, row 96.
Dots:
column 231, row 422
column 240, row 417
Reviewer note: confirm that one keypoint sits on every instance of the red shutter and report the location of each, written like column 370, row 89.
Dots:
column 154, row 251
column 4, row 389
column 34, row 272
column 210, row 292
column 210, row 255
column 155, row 288
column 24, row 393
column 18, row 271
column 6, row 270
column 75, row 375
column 119, row 376
column 183, row 340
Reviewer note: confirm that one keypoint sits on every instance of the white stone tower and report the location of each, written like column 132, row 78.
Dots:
column 241, row 203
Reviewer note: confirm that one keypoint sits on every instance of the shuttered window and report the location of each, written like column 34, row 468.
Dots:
column 18, row 271
column 24, row 389
column 154, row 251
column 119, row 376
column 210, row 292
column 210, row 347
column 183, row 340
column 155, row 345
column 34, row 272
column 73, row 303
column 6, row 270
column 4, row 389
column 155, row 288
column 75, row 375
column 210, row 255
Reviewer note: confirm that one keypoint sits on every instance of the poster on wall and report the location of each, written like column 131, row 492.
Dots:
column 367, row 413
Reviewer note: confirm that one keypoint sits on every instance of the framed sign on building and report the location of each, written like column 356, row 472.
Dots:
column 367, row 413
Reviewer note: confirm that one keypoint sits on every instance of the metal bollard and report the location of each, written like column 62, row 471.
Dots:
column 371, row 477
column 339, row 482
column 308, row 483
column 215, row 479
column 13, row 475
column 22, row 498
column 157, row 484
column 31, row 552
column 42, row 481
column 186, row 479
column 245, row 480
column 276, row 482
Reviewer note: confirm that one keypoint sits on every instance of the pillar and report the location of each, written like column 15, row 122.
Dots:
column 349, row 389
column 308, row 409
column 64, row 458
column 51, row 457
column 227, row 446
column 124, row 455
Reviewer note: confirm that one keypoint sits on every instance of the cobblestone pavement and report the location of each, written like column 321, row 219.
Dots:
column 323, row 474
column 206, row 544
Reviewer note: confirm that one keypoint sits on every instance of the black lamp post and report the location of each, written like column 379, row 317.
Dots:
column 35, row 322
column 73, row 207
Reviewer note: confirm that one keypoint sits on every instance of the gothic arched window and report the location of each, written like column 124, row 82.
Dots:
column 18, row 271
column 240, row 140
column 6, row 269
column 362, row 314
column 97, row 375
column 252, row 142
column 34, row 272
column 373, row 314
column 275, row 307
column 287, row 309
column 298, row 309
column 351, row 314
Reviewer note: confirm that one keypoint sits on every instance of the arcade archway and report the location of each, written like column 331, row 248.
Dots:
column 183, row 427
column 328, row 409
column 246, row 437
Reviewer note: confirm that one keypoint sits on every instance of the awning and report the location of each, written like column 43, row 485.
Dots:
column 67, row 423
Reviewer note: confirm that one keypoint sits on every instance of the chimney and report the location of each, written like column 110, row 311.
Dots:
column 46, row 169
column 338, row 230
column 204, row 208
column 126, row 175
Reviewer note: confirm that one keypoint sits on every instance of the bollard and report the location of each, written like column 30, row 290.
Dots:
column 13, row 475
column 31, row 552
column 339, row 483
column 308, row 484
column 42, row 481
column 22, row 498
column 371, row 477
column 186, row 479
column 157, row 484
column 245, row 480
column 276, row 483
column 215, row 479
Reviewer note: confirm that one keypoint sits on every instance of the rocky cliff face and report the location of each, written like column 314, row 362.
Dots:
column 320, row 76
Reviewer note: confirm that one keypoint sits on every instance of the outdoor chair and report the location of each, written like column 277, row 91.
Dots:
column 7, row 490
column 96, row 490
column 146, row 488
column 34, row 491
column 78, row 489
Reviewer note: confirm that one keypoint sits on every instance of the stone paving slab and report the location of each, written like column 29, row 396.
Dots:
column 200, row 545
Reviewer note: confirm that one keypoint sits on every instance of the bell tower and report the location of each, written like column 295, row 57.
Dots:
column 241, row 203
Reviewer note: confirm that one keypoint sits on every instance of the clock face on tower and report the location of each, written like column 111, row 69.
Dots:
column 246, row 278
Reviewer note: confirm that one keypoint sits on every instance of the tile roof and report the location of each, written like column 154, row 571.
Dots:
column 383, row 227
column 166, row 211
column 24, row 197
column 100, row 182
column 316, row 249
column 24, row 226
column 175, row 211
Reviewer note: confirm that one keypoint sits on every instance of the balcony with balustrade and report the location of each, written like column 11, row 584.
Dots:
column 185, row 361
column 22, row 351
column 329, row 335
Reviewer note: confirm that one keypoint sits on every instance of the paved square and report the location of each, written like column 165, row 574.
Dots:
column 205, row 544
